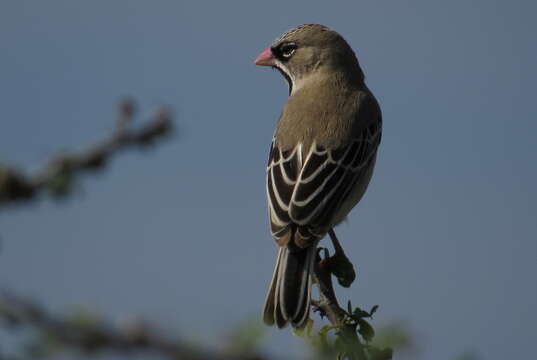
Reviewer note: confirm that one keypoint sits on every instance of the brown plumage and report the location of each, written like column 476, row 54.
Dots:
column 321, row 159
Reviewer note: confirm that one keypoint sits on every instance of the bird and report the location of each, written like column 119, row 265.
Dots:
column 321, row 158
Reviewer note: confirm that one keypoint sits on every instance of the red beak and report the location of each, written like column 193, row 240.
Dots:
column 266, row 58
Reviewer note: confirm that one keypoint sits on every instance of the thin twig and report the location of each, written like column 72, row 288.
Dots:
column 329, row 306
column 59, row 174
column 349, row 323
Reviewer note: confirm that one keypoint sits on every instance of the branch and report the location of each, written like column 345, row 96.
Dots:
column 350, row 323
column 60, row 172
column 91, row 336
column 329, row 307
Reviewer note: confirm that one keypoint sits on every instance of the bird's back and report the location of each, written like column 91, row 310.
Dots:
column 329, row 111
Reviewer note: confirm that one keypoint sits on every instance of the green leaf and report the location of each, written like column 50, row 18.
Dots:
column 366, row 330
column 380, row 354
column 305, row 331
column 326, row 329
column 359, row 314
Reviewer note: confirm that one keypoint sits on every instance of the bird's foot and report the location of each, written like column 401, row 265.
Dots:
column 342, row 269
column 339, row 264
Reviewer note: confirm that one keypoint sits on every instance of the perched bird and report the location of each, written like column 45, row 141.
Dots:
column 321, row 158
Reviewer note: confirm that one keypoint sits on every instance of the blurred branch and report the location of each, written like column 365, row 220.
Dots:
column 91, row 336
column 59, row 174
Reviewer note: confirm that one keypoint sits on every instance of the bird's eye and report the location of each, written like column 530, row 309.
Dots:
column 288, row 50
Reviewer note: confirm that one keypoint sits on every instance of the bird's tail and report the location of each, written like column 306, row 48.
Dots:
column 289, row 295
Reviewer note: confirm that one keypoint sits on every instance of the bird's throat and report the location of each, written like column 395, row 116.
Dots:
column 287, row 78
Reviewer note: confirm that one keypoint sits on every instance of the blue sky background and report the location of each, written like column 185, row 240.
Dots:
column 445, row 239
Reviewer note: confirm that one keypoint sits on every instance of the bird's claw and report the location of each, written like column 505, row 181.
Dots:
column 343, row 270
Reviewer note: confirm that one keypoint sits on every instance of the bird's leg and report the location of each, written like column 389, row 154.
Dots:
column 335, row 242
column 340, row 265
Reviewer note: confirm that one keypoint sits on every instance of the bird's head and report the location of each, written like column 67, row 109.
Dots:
column 309, row 50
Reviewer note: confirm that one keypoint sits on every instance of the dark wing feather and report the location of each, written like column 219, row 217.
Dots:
column 282, row 173
column 328, row 176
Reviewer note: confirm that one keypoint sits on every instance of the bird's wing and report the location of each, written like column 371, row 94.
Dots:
column 328, row 176
column 283, row 170
column 307, row 192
